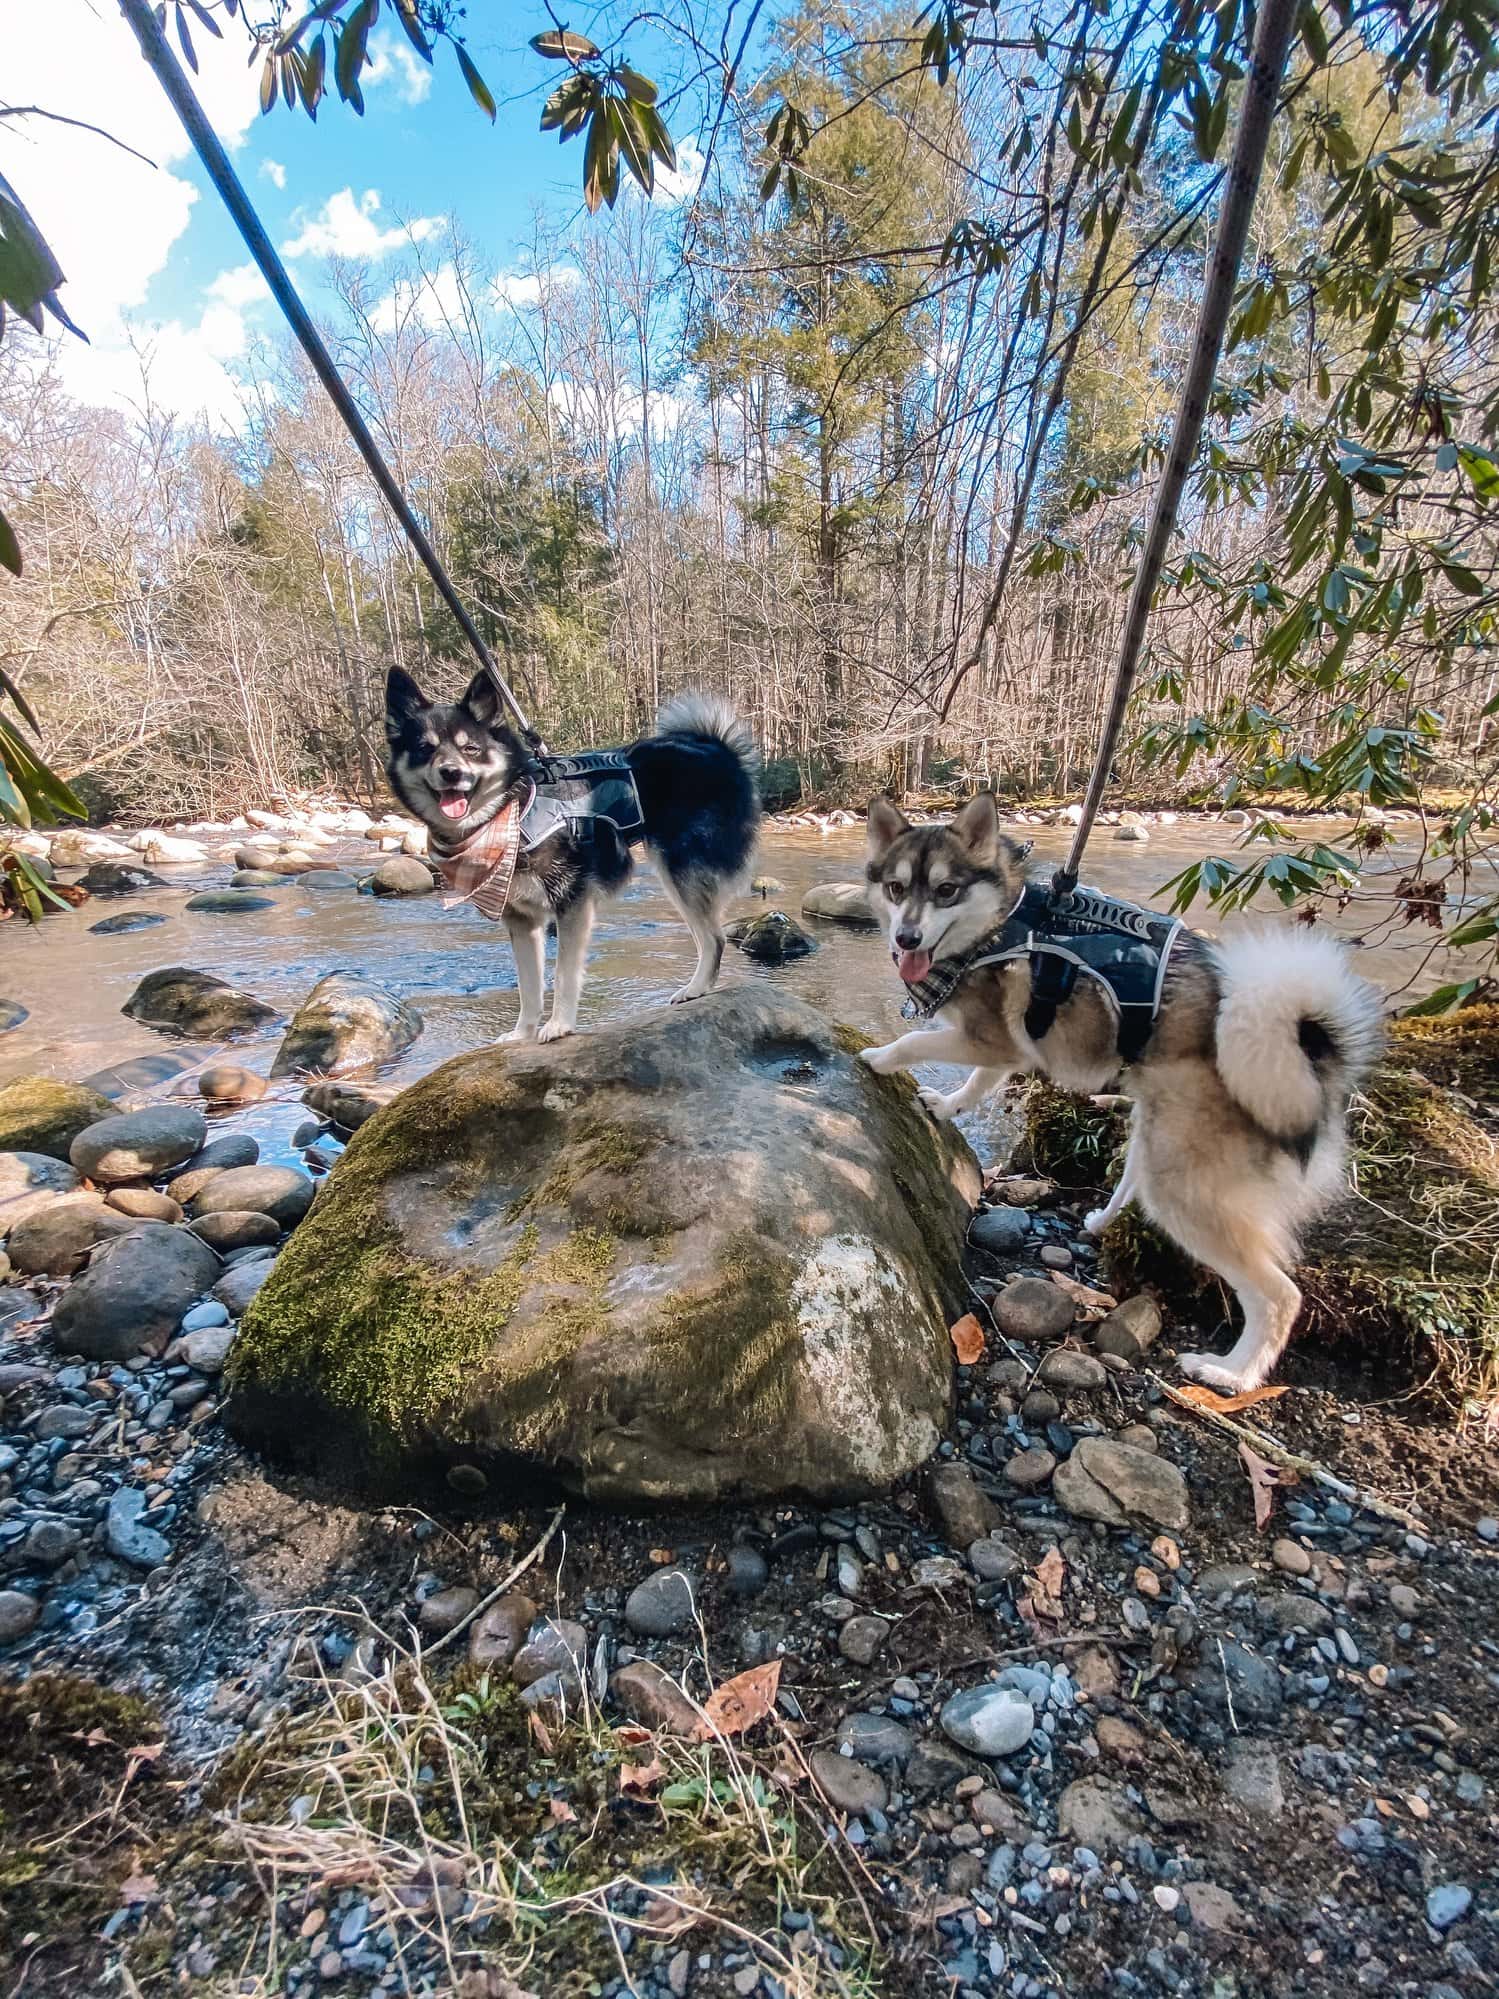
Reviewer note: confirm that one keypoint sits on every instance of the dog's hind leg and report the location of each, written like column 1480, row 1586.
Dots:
column 1249, row 1254
column 574, row 927
column 696, row 895
column 978, row 1085
column 529, row 943
column 1126, row 1191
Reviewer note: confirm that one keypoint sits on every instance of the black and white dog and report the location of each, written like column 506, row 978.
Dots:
column 531, row 840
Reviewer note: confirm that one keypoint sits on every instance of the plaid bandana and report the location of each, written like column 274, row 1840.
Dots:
column 481, row 868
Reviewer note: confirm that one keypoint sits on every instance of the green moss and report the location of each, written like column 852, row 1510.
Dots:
column 40, row 1114
column 730, row 1351
column 593, row 1147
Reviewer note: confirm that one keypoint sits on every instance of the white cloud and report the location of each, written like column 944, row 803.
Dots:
column 344, row 227
column 680, row 183
column 394, row 61
column 434, row 299
column 274, row 172
column 240, row 287
column 520, row 289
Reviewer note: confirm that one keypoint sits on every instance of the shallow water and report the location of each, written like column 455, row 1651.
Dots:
column 457, row 970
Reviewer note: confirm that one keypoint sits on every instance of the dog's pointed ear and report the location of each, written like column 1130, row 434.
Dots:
column 482, row 699
column 404, row 702
column 976, row 828
column 886, row 824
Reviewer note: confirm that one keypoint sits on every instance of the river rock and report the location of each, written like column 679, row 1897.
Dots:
column 401, row 875
column 554, row 1645
column 771, row 939
column 1002, row 1231
column 132, row 1296
column 139, row 1145
column 126, row 1534
column 964, row 1513
column 18, row 1615
column 167, row 850
column 1095, row 1813
column 281, row 1192
column 1029, row 1308
column 235, row 1148
column 55, row 1241
column 547, row 1257
column 498, row 1633
column 841, row 902
column 76, row 846
column 651, row 1697
column 143, row 1204
column 127, row 920
column 1115, row 1483
column 206, row 1348
column 989, row 1720
column 39, row 1114
column 329, row 878
column 236, row 1228
column 346, row 1022
column 1067, row 1369
column 12, row 1013
column 347, row 1105
column 238, row 1287
column 107, row 879
column 195, row 1004
column 849, row 1786
column 664, row 1604
column 227, row 902
column 258, row 878
column 30, row 1181
column 230, row 1083
column 1131, row 1329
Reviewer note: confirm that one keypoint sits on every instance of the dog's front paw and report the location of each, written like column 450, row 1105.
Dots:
column 555, row 1030
column 1208, row 1368
column 1097, row 1220
column 684, row 994
column 879, row 1059
column 943, row 1108
column 520, row 1032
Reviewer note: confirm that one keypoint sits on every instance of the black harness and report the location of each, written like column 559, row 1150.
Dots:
column 572, row 793
column 1123, row 948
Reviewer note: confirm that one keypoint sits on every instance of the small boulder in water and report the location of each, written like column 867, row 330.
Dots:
column 771, row 939
column 228, row 1083
column 281, row 1192
column 29, row 1181
column 107, row 879
column 841, row 902
column 401, row 875
column 12, row 1013
column 346, row 1022
column 227, row 902
column 257, row 878
column 40, row 1114
column 329, row 878
column 195, row 1004
column 128, row 919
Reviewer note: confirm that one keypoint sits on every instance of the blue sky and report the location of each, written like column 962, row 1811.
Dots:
column 153, row 261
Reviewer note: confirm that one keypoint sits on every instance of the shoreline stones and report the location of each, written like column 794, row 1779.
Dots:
column 989, row 1720
column 1105, row 1480
column 139, row 1145
column 841, row 902
column 132, row 1296
column 279, row 1192
column 1031, row 1308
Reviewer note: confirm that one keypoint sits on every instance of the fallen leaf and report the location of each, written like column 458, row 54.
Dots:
column 632, row 1734
column 1084, row 1294
column 1264, row 1480
column 673, row 1916
column 640, row 1779
column 1051, row 1572
column 561, row 1811
column 542, row 1733
column 138, row 1888
column 967, row 1338
column 741, row 1702
column 1225, row 1405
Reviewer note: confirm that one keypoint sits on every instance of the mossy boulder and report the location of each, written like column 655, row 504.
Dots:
column 40, row 1114
column 1406, row 1259
column 346, row 1022
column 702, row 1255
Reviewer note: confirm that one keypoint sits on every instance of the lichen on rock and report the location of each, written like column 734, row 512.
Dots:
column 704, row 1254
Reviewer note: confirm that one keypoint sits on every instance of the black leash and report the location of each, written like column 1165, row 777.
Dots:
column 216, row 165
column 1272, row 41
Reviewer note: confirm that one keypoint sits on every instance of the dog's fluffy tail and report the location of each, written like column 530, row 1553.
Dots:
column 1297, row 1028
column 710, row 718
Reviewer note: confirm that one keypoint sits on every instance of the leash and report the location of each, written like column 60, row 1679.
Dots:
column 1272, row 42
column 169, row 74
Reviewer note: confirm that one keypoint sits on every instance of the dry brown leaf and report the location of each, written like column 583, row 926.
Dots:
column 967, row 1338
column 542, row 1733
column 1084, row 1294
column 1051, row 1573
column 1264, row 1479
column 631, row 1734
column 1226, row 1405
column 741, row 1702
column 662, row 1558
column 138, row 1888
column 639, row 1780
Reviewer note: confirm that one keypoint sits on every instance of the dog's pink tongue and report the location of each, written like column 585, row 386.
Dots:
column 913, row 966
column 452, row 804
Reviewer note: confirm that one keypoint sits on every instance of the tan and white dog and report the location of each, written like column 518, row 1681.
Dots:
column 1240, row 1089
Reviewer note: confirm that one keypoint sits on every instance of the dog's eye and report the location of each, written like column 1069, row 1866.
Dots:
column 896, row 891
column 945, row 893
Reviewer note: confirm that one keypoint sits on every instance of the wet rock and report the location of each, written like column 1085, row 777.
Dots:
column 989, row 1720
column 838, row 902
column 206, row 1348
column 63, row 1419
column 196, row 1005
column 851, row 1787
column 346, row 1105
column 108, row 879
column 401, row 875
column 616, row 1236
column 39, row 1114
column 964, row 1512
column 1068, row 1369
column 664, row 1604
column 18, row 1615
column 1095, row 1813
column 651, row 1697
column 1131, row 1329
column 126, row 1534
column 499, row 1632
column 258, row 878
column 236, row 1228
column 1212, row 1907
column 49, row 1542
column 143, row 1204
column 329, row 878
column 30, row 1181
column 747, row 1572
column 875, row 1739
column 1002, row 1231
column 346, row 1022
column 139, row 1145
column 445, row 1608
column 1292, row 1557
column 128, row 919
column 862, row 1639
column 1253, row 1778
column 12, row 1013
column 227, row 902
column 132, row 1296
column 280, row 1192
column 1112, row 1482
column 230, row 1083
column 240, row 1285
column 771, row 939
column 1031, row 1468
column 555, row 1645
column 55, row 1241
column 167, row 850
column 1030, row 1308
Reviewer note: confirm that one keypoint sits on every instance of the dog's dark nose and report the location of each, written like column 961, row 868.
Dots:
column 908, row 940
column 451, row 774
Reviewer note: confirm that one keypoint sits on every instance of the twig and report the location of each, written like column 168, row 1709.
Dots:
column 79, row 124
column 500, row 1587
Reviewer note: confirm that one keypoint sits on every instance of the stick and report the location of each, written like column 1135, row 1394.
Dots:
column 500, row 1587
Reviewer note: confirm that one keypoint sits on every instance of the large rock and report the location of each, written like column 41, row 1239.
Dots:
column 195, row 1004
column 39, row 1114
column 346, row 1022
column 1116, row 1483
column 772, row 939
column 139, row 1145
column 841, row 902
column 560, row 1258
column 132, row 1296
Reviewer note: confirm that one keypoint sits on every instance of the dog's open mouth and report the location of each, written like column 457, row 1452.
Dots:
column 452, row 804
column 913, row 966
